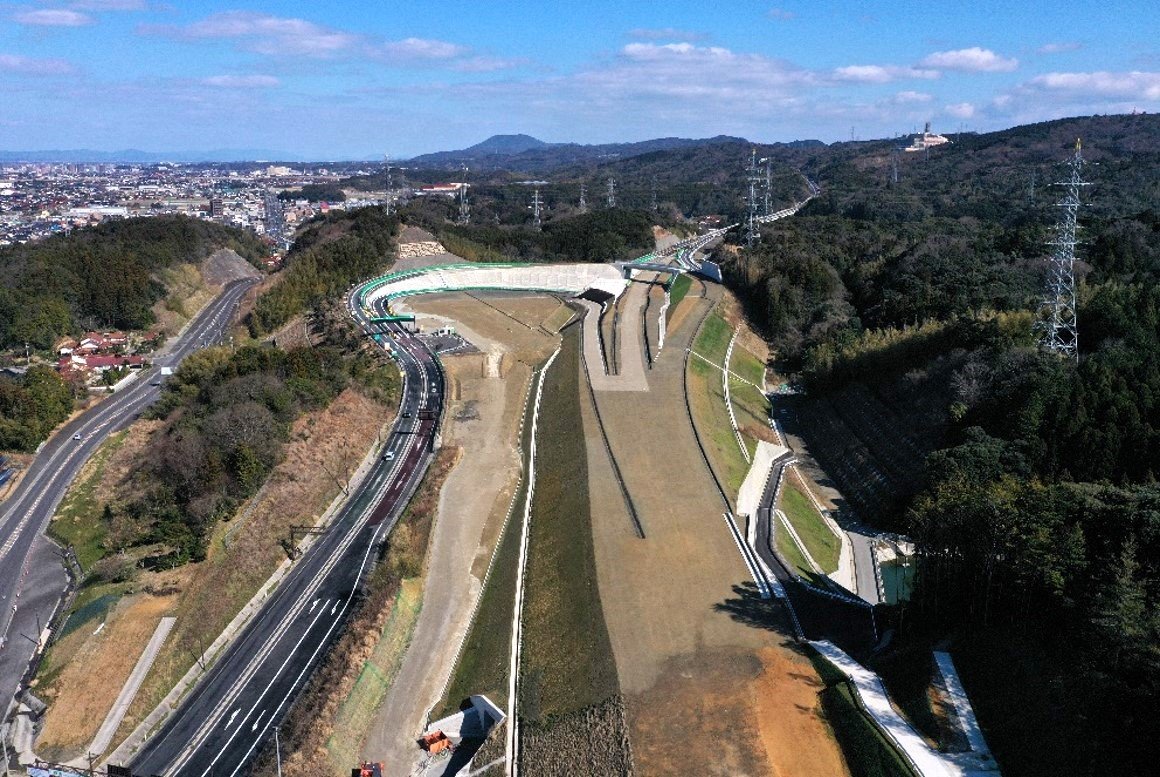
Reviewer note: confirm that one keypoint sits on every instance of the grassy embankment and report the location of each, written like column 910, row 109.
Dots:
column 820, row 542
column 707, row 397
column 570, row 706
column 868, row 752
column 750, row 405
column 677, row 291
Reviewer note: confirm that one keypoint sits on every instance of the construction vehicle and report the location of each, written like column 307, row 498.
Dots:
column 435, row 742
column 368, row 769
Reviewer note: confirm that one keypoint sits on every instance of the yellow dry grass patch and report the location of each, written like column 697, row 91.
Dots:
column 85, row 689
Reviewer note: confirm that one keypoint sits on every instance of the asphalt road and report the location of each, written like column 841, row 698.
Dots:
column 224, row 721
column 32, row 575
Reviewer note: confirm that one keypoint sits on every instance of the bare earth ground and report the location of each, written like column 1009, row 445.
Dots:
column 696, row 677
column 483, row 416
column 325, row 445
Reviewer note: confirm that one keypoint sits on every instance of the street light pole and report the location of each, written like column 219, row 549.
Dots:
column 278, row 752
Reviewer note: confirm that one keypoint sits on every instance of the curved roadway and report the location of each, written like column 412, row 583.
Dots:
column 224, row 721
column 32, row 576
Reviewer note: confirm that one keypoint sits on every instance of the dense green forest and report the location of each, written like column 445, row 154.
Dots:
column 330, row 254
column 601, row 235
column 101, row 276
column 1038, row 520
column 227, row 420
column 31, row 406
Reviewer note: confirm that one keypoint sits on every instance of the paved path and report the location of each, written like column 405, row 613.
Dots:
column 980, row 753
column 129, row 691
column 632, row 367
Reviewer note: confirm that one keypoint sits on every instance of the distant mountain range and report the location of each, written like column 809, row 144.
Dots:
column 523, row 152
column 136, row 156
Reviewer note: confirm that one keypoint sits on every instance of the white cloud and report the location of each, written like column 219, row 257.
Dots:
column 52, row 17
column 972, row 60
column 665, row 33
column 15, row 63
column 780, row 14
column 1131, row 85
column 241, row 82
column 1059, row 48
column 960, row 110
column 267, row 34
column 913, row 97
column 109, row 5
column 482, row 64
column 423, row 48
column 881, row 74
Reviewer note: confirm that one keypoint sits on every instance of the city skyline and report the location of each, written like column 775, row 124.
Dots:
column 350, row 82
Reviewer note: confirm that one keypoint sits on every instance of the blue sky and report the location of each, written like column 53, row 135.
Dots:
column 333, row 79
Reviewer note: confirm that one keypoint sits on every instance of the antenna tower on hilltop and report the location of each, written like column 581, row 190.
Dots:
column 753, row 176
column 1057, row 313
column 611, row 192
column 464, row 207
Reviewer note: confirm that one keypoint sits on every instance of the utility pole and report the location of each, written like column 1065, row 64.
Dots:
column 278, row 751
column 1057, row 313
column 654, row 194
column 1031, row 190
column 536, row 209
column 611, row 192
column 753, row 176
column 464, row 208
column 583, row 199
column 894, row 166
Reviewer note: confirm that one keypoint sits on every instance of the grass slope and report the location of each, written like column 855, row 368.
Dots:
column 567, row 656
column 821, row 543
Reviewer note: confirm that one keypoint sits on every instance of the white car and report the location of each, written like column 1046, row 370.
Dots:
column 77, row 436
column 389, row 456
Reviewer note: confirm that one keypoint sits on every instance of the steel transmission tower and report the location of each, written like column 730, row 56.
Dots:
column 536, row 209
column 767, row 205
column 1057, row 314
column 583, row 199
column 464, row 208
column 654, row 193
column 753, row 176
column 611, row 192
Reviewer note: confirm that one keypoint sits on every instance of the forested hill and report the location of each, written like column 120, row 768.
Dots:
column 1037, row 513
column 101, row 276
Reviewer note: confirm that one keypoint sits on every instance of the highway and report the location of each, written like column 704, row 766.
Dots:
column 224, row 721
column 32, row 575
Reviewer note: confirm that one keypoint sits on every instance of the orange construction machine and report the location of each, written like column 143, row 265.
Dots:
column 435, row 742
column 368, row 769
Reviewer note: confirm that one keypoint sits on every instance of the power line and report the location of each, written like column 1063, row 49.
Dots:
column 1057, row 315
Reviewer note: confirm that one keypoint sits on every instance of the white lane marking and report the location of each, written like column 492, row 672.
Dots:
column 257, row 720
column 334, row 609
column 312, row 606
column 230, row 722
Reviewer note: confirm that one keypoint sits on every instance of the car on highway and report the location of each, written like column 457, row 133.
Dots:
column 77, row 436
column 389, row 456
column 406, row 414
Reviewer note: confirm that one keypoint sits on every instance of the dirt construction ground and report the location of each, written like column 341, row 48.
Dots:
column 482, row 417
column 713, row 687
